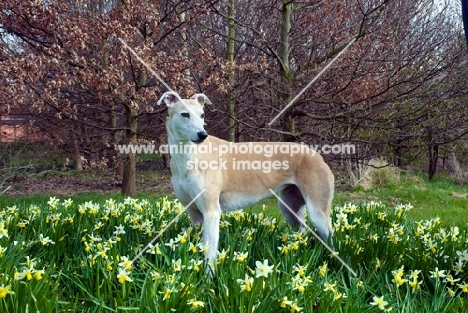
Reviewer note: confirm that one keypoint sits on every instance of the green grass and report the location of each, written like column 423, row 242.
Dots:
column 431, row 198
column 386, row 244
column 61, row 256
column 35, row 154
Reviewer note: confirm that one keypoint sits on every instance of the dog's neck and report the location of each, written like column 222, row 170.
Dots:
column 172, row 137
column 178, row 143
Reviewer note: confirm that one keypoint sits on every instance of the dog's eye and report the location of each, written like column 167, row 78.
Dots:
column 185, row 114
column 202, row 115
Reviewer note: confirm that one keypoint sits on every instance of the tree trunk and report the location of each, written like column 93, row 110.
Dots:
column 433, row 151
column 433, row 155
column 77, row 158
column 115, row 141
column 398, row 155
column 129, row 166
column 131, row 128
column 285, row 70
column 231, row 122
column 185, row 46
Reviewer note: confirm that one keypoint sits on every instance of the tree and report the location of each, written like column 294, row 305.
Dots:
column 397, row 92
column 69, row 67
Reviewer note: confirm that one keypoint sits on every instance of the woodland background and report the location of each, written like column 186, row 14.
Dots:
column 399, row 93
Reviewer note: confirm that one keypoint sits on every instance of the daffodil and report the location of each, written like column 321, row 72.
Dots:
column 294, row 245
column 26, row 273
column 5, row 290
column 329, row 287
column 398, row 277
column 98, row 225
column 414, row 274
column 379, row 302
column 182, row 238
column 463, row 287
column 177, row 265
column 192, row 248
column 169, row 279
column 246, row 283
column 155, row 275
column 285, row 302
column 323, row 269
column 415, row 284
column 300, row 270
column 240, row 257
column 263, row 269
column 52, row 202
column 154, row 249
column 3, row 231
column 450, row 279
column 338, row 296
column 68, row 203
column 284, row 249
column 93, row 238
column 202, row 247
column 458, row 267
column 38, row 274
column 378, row 263
column 462, row 256
column 295, row 308
column 123, row 276
column 22, row 223
column 167, row 293
column 450, row 292
column 222, row 256
column 195, row 265
column 398, row 280
column 2, row 251
column 195, row 304
column 125, row 263
column 437, row 274
column 300, row 283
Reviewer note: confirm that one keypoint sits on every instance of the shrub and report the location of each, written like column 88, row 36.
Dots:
column 376, row 173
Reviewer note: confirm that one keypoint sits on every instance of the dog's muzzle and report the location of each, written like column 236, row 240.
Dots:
column 201, row 136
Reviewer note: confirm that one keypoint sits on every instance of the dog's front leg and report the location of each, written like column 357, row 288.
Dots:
column 211, row 218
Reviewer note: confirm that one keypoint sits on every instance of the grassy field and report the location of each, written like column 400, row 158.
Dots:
column 75, row 255
column 431, row 198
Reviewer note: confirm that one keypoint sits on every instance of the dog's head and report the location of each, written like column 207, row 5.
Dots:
column 186, row 116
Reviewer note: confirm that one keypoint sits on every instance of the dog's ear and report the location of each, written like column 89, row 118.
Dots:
column 201, row 98
column 169, row 98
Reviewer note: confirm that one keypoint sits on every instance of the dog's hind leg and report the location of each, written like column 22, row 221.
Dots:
column 196, row 217
column 319, row 219
column 292, row 206
column 318, row 204
column 317, row 190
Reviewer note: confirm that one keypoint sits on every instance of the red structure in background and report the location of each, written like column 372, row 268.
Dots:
column 15, row 128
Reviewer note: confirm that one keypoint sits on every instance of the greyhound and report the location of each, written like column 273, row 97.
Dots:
column 236, row 175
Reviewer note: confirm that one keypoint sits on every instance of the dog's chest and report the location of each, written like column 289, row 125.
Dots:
column 182, row 180
column 181, row 189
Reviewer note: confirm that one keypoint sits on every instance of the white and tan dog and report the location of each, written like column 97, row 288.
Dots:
column 233, row 180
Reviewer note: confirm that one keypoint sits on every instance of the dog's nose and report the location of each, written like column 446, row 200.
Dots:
column 202, row 135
